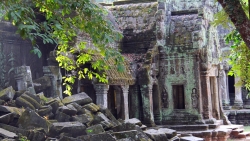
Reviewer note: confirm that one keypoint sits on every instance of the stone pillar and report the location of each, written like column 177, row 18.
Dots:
column 147, row 102
column 223, row 89
column 54, row 73
column 102, row 94
column 238, row 103
column 125, row 98
column 23, row 79
column 206, row 91
column 157, row 105
column 134, row 102
column 215, row 98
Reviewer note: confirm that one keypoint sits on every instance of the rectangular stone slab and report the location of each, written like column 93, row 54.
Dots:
column 7, row 134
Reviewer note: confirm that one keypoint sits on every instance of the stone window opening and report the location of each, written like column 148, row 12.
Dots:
column 178, row 96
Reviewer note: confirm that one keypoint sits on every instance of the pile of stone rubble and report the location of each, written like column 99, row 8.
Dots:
column 25, row 116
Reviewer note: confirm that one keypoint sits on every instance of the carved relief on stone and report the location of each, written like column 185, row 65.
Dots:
column 205, row 65
column 172, row 70
column 164, row 98
column 205, row 109
column 195, row 98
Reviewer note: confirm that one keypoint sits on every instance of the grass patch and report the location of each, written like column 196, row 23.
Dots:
column 246, row 128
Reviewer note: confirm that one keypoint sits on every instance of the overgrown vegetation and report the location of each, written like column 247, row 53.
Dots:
column 240, row 52
column 62, row 23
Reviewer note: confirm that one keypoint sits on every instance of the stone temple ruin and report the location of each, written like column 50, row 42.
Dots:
column 175, row 81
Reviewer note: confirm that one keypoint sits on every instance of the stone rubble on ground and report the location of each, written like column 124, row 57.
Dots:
column 74, row 118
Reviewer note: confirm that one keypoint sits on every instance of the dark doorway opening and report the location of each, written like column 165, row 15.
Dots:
column 231, row 89
column 178, row 95
column 112, row 101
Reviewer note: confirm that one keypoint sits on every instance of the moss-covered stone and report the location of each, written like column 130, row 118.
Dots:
column 7, row 94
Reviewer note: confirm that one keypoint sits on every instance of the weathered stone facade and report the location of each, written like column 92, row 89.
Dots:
column 174, row 74
column 175, row 54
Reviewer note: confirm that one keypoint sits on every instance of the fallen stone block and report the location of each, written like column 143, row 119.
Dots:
column 74, row 129
column 21, row 102
column 6, row 119
column 32, row 99
column 125, row 139
column 7, row 94
column 7, row 109
column 61, row 117
column 95, row 129
column 126, row 134
column 81, row 99
column 80, row 118
column 134, row 121
column 100, row 118
column 109, row 115
column 68, row 110
column 92, row 107
column 7, row 134
column 97, row 137
column 169, row 132
column 55, row 104
column 31, row 120
column 45, row 111
column 156, row 135
column 124, row 127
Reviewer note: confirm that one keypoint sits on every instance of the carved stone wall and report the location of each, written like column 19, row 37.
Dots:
column 14, row 52
column 137, row 22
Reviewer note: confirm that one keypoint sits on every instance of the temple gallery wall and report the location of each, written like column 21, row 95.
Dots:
column 173, row 72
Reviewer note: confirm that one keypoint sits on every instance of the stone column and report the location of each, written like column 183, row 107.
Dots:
column 125, row 98
column 54, row 73
column 216, row 106
column 102, row 94
column 157, row 105
column 24, row 79
column 238, row 103
column 134, row 102
column 206, row 90
column 223, row 89
column 147, row 102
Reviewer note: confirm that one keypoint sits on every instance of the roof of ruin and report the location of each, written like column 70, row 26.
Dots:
column 114, row 76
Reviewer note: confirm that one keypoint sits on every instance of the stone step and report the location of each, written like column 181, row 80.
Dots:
column 191, row 138
column 220, row 122
column 236, row 132
column 233, row 126
column 241, row 135
column 202, row 127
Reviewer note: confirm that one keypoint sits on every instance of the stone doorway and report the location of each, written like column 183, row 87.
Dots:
column 231, row 89
column 178, row 96
column 115, row 101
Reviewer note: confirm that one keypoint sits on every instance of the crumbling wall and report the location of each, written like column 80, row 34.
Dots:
column 14, row 52
column 137, row 22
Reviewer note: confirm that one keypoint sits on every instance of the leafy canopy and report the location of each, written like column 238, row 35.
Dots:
column 240, row 53
column 63, row 23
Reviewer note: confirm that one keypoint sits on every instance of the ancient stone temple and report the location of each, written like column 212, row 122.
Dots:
column 174, row 74
column 174, row 54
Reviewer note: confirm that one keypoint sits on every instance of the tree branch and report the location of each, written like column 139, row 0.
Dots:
column 239, row 18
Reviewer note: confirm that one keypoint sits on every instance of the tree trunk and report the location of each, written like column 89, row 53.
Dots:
column 237, row 15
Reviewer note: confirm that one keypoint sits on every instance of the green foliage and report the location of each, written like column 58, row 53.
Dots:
column 63, row 25
column 240, row 53
column 23, row 138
